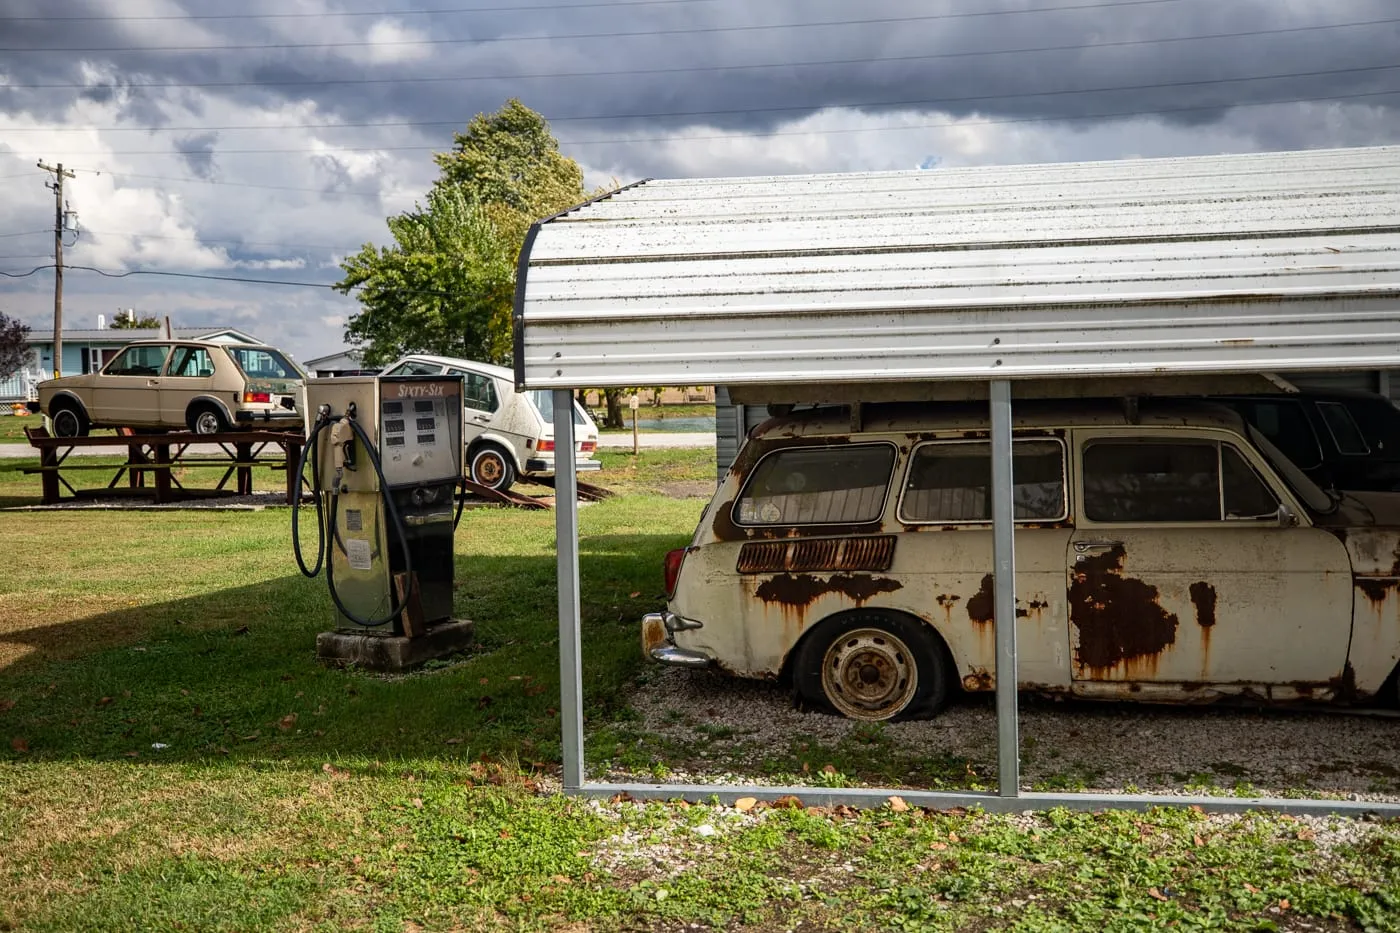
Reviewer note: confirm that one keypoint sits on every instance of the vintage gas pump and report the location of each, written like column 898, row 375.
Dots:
column 386, row 458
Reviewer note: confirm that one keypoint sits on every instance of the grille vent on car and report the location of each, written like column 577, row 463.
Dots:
column 863, row 553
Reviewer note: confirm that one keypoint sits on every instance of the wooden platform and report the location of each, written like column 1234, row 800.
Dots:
column 157, row 456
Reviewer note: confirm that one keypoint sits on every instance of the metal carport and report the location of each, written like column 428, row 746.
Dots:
column 894, row 284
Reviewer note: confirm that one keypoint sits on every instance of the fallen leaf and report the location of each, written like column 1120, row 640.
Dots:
column 1284, row 904
column 898, row 805
column 953, row 837
column 417, row 802
column 133, row 754
column 6, row 705
column 505, row 834
column 250, row 738
column 829, row 769
column 561, row 879
column 1196, row 808
column 287, row 722
column 534, row 691
column 634, row 594
column 1250, row 888
column 745, row 803
column 938, row 846
column 1306, row 834
column 1153, row 892
column 788, row 802
column 241, row 630
column 454, row 741
column 550, row 711
column 19, row 744
column 484, row 681
column 104, row 701
column 1198, row 841
column 483, row 701
column 514, row 676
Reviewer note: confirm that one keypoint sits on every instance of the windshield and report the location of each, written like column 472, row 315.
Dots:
column 1312, row 495
column 543, row 399
column 263, row 363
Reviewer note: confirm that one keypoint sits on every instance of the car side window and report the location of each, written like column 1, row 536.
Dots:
column 1171, row 481
column 1286, row 424
column 144, row 360
column 1343, row 429
column 951, row 482
column 480, row 390
column 818, row 486
column 191, row 361
column 415, row 368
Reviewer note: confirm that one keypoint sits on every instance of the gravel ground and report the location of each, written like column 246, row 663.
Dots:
column 1065, row 745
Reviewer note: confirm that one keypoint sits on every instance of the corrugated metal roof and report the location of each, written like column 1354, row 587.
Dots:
column 1277, row 261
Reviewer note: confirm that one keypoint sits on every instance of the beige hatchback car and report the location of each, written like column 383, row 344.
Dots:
column 169, row 384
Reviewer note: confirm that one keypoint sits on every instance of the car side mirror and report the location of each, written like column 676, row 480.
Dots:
column 1287, row 518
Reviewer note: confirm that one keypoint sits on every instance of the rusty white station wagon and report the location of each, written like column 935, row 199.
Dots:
column 1164, row 552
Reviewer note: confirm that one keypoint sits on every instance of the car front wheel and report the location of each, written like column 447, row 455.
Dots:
column 68, row 421
column 873, row 666
column 491, row 466
column 206, row 419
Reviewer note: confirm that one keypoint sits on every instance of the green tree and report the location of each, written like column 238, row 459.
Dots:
column 444, row 287
column 446, row 284
column 14, row 346
column 132, row 322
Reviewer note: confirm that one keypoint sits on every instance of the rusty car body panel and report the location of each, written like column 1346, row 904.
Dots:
column 1281, row 601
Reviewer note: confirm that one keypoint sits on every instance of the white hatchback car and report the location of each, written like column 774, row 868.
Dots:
column 506, row 433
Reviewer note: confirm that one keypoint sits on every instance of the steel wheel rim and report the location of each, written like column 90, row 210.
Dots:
column 869, row 674
column 490, row 469
column 65, row 423
column 206, row 423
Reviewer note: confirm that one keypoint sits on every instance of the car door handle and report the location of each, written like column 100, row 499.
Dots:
column 1084, row 547
column 152, row 382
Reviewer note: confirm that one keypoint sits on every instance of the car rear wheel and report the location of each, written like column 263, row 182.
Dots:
column 873, row 666
column 491, row 466
column 68, row 420
column 206, row 419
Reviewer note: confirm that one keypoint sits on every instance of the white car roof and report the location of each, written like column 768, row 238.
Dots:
column 488, row 369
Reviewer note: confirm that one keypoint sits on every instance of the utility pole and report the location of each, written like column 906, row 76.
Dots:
column 59, row 225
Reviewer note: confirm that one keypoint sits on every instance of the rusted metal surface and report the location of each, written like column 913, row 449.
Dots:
column 1162, row 611
column 863, row 553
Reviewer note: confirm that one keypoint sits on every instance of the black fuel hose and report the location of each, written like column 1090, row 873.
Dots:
column 308, row 451
column 396, row 606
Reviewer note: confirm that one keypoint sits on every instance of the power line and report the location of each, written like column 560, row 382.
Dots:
column 689, row 69
column 25, row 233
column 196, row 238
column 701, row 30
column 1111, row 114
column 518, row 9
column 1205, row 82
column 235, row 184
column 179, row 275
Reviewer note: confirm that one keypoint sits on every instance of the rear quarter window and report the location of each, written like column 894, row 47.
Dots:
column 845, row 485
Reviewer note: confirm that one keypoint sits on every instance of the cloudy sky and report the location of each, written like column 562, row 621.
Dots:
column 269, row 142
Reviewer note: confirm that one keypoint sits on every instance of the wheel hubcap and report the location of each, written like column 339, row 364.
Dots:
column 869, row 674
column 65, row 424
column 489, row 470
column 207, row 423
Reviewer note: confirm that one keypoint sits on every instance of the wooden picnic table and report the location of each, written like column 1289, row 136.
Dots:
column 159, row 455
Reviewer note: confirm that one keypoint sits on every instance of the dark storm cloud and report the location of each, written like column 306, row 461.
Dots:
column 942, row 66
column 198, row 153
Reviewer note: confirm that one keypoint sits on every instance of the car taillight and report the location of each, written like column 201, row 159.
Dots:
column 257, row 396
column 543, row 444
column 672, row 565
column 588, row 447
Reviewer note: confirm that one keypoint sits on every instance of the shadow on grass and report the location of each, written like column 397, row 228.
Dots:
column 233, row 673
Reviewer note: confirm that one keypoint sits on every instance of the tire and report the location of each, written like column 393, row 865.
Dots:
column 206, row 419
column 68, row 420
column 873, row 666
column 491, row 466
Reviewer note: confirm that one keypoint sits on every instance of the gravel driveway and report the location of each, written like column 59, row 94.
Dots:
column 718, row 726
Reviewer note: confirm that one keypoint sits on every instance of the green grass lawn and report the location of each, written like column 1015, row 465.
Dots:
column 173, row 757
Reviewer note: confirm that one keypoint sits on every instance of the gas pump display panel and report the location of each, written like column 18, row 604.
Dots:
column 420, row 421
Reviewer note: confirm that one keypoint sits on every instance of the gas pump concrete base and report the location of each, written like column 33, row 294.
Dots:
column 393, row 654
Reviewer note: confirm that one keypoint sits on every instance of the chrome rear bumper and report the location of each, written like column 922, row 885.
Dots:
column 659, row 645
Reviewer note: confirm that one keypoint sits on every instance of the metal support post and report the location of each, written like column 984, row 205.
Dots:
column 566, row 549
column 1004, row 566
